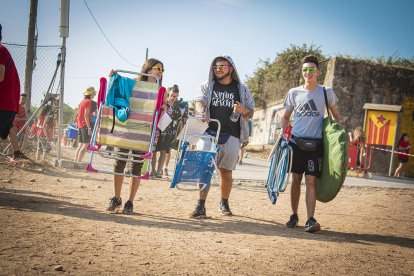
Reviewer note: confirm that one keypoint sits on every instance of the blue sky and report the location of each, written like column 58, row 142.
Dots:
column 185, row 35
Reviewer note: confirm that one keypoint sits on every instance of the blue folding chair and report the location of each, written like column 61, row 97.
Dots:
column 280, row 167
column 194, row 167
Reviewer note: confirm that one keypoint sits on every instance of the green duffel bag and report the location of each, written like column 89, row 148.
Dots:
column 335, row 159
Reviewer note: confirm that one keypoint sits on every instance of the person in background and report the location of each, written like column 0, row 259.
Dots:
column 153, row 67
column 404, row 146
column 168, row 135
column 84, row 120
column 43, row 142
column 359, row 139
column 175, row 142
column 241, row 154
column 9, row 103
column 218, row 98
column 20, row 118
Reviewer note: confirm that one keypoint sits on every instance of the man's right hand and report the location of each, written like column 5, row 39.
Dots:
column 201, row 115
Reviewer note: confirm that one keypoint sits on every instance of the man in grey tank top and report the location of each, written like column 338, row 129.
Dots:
column 307, row 103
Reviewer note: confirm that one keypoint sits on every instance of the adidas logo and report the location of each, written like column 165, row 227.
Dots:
column 308, row 109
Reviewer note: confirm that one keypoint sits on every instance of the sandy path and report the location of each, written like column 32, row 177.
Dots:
column 59, row 219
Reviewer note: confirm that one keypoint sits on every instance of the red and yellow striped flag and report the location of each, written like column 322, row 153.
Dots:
column 380, row 127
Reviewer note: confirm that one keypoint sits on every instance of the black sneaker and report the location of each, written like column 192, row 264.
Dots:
column 293, row 221
column 19, row 155
column 114, row 204
column 158, row 175
column 312, row 225
column 128, row 208
column 225, row 209
column 199, row 212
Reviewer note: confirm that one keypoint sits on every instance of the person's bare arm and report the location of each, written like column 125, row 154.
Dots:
column 199, row 107
column 284, row 121
column 335, row 113
column 88, row 122
column 2, row 72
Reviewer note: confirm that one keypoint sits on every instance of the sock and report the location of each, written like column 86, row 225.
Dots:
column 201, row 202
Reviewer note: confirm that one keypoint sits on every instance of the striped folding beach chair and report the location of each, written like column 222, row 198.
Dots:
column 127, row 120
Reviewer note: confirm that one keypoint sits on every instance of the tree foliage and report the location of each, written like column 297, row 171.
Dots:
column 272, row 79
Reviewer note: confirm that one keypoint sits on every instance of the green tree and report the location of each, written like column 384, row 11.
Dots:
column 272, row 80
column 69, row 114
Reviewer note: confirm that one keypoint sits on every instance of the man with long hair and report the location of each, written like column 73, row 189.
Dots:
column 218, row 98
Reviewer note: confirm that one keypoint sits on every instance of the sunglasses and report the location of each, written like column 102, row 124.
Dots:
column 311, row 69
column 158, row 68
column 220, row 67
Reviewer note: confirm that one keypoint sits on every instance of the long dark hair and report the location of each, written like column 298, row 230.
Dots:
column 402, row 137
column 148, row 64
column 43, row 111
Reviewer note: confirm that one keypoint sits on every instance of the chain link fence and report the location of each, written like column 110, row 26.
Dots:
column 45, row 63
column 45, row 81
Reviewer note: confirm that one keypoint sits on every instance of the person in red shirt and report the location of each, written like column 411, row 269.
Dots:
column 84, row 120
column 20, row 118
column 404, row 146
column 9, row 95
column 43, row 143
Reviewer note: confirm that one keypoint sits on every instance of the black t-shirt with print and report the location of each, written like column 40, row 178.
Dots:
column 221, row 107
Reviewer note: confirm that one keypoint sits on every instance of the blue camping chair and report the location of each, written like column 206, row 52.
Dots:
column 194, row 168
column 280, row 167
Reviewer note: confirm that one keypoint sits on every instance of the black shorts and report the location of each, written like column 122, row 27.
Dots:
column 84, row 137
column 6, row 122
column 403, row 160
column 308, row 162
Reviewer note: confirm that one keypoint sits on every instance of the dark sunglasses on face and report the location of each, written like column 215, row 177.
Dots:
column 158, row 68
column 220, row 67
column 311, row 69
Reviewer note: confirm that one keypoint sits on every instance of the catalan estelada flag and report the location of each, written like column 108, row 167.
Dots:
column 380, row 127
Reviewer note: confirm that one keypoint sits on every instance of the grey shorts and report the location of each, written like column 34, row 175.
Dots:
column 228, row 154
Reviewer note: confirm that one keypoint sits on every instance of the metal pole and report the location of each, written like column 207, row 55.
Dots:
column 58, row 161
column 30, row 54
column 64, row 33
column 146, row 54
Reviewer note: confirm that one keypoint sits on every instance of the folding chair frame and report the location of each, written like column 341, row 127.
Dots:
column 183, row 147
column 94, row 146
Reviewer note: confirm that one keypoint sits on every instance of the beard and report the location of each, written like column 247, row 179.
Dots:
column 223, row 76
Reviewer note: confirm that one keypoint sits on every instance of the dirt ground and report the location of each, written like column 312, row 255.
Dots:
column 54, row 222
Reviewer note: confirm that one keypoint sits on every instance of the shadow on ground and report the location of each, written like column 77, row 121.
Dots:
column 29, row 201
